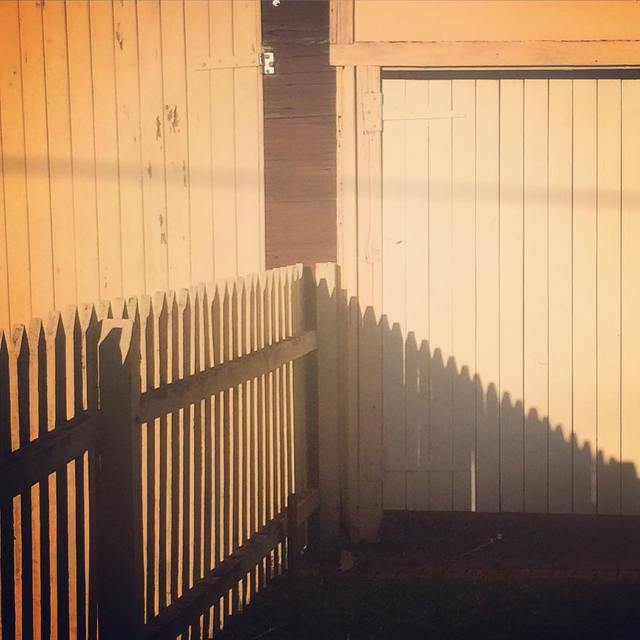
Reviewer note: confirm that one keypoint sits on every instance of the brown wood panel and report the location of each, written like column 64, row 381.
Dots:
column 300, row 134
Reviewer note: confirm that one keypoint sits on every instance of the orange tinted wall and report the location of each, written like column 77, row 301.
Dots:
column 125, row 166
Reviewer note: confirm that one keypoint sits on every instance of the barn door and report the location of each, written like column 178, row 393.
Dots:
column 511, row 221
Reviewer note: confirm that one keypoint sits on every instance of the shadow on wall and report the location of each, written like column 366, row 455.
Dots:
column 432, row 435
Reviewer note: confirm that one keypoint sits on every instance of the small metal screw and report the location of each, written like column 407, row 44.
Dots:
column 275, row 3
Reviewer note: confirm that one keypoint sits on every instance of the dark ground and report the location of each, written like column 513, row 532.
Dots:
column 492, row 578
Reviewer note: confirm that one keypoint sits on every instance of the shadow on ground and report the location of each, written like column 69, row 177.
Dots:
column 500, row 577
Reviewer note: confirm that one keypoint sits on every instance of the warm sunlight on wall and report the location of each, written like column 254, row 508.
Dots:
column 126, row 168
column 511, row 221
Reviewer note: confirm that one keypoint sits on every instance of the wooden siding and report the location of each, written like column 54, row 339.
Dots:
column 511, row 354
column 485, row 33
column 300, row 135
column 125, row 167
column 495, row 20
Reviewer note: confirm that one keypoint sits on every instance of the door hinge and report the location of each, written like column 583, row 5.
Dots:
column 267, row 60
column 372, row 112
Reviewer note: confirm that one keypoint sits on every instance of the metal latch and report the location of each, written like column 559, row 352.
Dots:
column 268, row 62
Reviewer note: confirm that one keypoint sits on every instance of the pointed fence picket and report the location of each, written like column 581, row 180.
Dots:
column 155, row 459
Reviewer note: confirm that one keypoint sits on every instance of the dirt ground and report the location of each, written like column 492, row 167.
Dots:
column 496, row 579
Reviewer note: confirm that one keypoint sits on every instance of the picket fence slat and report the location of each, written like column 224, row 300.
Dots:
column 215, row 425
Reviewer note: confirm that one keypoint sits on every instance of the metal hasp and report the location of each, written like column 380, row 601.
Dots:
column 268, row 62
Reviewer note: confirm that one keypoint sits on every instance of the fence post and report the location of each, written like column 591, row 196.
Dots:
column 329, row 437
column 293, row 533
column 118, row 484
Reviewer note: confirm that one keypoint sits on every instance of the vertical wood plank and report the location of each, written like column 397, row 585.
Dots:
column 223, row 132
column 560, row 249
column 536, row 340
column 5, row 319
column 248, row 142
column 20, row 435
column 150, row 458
column 38, row 426
column 175, row 450
column 82, row 123
column 219, row 439
column 416, row 329
column 238, row 452
column 14, row 172
column 34, row 104
column 300, row 320
column 330, row 449
column 463, row 291
column 396, row 161
column 106, row 149
column 270, row 454
column 370, row 295
column 511, row 295
column 161, row 318
column 278, row 488
column 263, row 419
column 60, row 160
column 608, row 320
column 57, row 482
column 121, row 581
column 198, row 355
column 185, row 355
column 441, row 297
column 7, row 599
column 347, row 256
column 346, row 177
column 487, row 143
column 89, row 319
column 227, row 445
column 285, row 332
column 630, row 299
column 197, row 43
column 253, row 421
column 176, row 145
column 152, row 140
column 584, row 294
column 129, row 151
column 237, row 418
column 73, row 471
column 341, row 21
column 209, row 477
column 81, row 116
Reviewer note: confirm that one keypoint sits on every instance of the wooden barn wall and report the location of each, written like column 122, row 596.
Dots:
column 300, row 135
column 124, row 167
column 509, row 220
column 495, row 20
column 436, row 33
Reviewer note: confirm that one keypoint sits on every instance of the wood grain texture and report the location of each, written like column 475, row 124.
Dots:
column 120, row 185
column 520, row 392
column 488, row 54
column 300, row 135
column 236, row 464
column 341, row 21
column 495, row 21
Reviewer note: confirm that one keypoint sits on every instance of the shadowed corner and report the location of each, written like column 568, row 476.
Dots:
column 433, row 436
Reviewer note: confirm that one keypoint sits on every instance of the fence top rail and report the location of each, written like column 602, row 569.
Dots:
column 34, row 462
column 155, row 403
column 193, row 344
